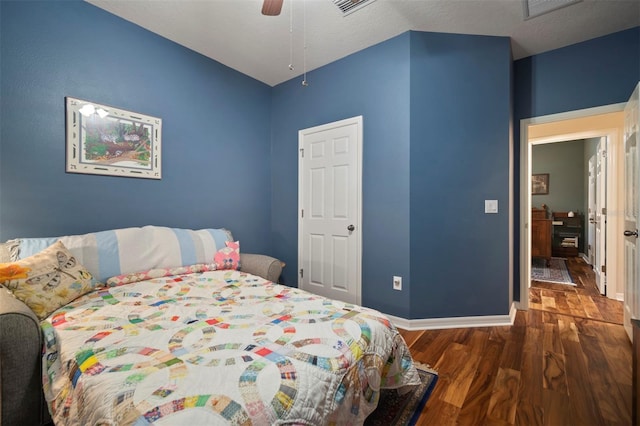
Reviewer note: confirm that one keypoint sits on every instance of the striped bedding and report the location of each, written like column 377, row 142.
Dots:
column 123, row 251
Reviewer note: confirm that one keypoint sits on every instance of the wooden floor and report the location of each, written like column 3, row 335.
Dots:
column 565, row 361
column 583, row 300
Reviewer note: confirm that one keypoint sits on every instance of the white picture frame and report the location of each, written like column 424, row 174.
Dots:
column 104, row 140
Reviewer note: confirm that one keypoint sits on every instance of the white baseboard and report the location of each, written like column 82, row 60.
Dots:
column 455, row 322
column 620, row 297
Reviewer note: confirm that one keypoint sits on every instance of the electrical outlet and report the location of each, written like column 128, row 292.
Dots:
column 397, row 283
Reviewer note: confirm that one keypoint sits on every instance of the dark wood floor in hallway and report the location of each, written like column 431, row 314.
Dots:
column 583, row 300
column 565, row 361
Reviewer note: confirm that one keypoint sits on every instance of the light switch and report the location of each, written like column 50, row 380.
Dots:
column 491, row 206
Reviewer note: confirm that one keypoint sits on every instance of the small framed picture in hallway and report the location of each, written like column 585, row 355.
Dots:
column 540, row 184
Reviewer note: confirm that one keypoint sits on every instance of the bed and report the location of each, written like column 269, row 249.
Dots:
column 179, row 341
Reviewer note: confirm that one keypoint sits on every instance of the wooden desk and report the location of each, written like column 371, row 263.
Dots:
column 541, row 233
column 541, row 238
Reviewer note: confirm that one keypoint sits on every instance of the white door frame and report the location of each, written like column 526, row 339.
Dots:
column 601, row 218
column 590, row 223
column 358, row 121
column 614, row 225
column 631, row 254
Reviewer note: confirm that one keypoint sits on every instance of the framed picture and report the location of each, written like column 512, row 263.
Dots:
column 540, row 184
column 104, row 140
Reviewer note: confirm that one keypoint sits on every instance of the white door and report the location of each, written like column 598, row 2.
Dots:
column 329, row 224
column 599, row 266
column 591, row 217
column 631, row 209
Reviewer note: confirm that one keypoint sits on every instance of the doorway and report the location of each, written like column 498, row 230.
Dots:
column 606, row 121
column 574, row 199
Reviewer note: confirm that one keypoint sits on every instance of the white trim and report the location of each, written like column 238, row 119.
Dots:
column 579, row 113
column 620, row 297
column 525, row 214
column 525, row 185
column 455, row 322
column 511, row 218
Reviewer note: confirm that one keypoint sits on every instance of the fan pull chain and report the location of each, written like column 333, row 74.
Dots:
column 304, row 39
column 291, row 67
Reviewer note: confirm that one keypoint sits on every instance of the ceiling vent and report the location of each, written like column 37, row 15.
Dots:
column 533, row 8
column 350, row 6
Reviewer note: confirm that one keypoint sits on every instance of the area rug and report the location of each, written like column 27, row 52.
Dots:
column 556, row 272
column 401, row 410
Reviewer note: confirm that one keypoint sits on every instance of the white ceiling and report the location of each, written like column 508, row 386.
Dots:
column 235, row 33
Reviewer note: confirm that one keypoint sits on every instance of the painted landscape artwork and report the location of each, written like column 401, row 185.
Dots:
column 115, row 141
column 111, row 141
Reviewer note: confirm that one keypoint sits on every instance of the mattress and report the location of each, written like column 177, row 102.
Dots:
column 218, row 347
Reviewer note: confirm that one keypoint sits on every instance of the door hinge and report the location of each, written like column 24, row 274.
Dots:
column 301, row 273
column 302, row 152
column 302, row 213
column 604, row 269
column 604, row 210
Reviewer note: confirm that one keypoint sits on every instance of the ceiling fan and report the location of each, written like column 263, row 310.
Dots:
column 271, row 7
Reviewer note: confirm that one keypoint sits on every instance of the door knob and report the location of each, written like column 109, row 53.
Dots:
column 631, row 233
column 350, row 228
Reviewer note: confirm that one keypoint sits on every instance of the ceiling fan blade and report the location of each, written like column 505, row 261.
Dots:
column 271, row 7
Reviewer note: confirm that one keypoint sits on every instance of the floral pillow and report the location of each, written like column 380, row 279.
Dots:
column 47, row 280
column 228, row 257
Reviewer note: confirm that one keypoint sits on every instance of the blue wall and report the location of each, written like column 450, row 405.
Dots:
column 436, row 143
column 420, row 164
column 216, row 128
column 460, row 136
column 373, row 83
column 597, row 72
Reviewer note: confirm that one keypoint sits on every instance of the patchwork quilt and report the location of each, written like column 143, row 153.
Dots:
column 218, row 347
